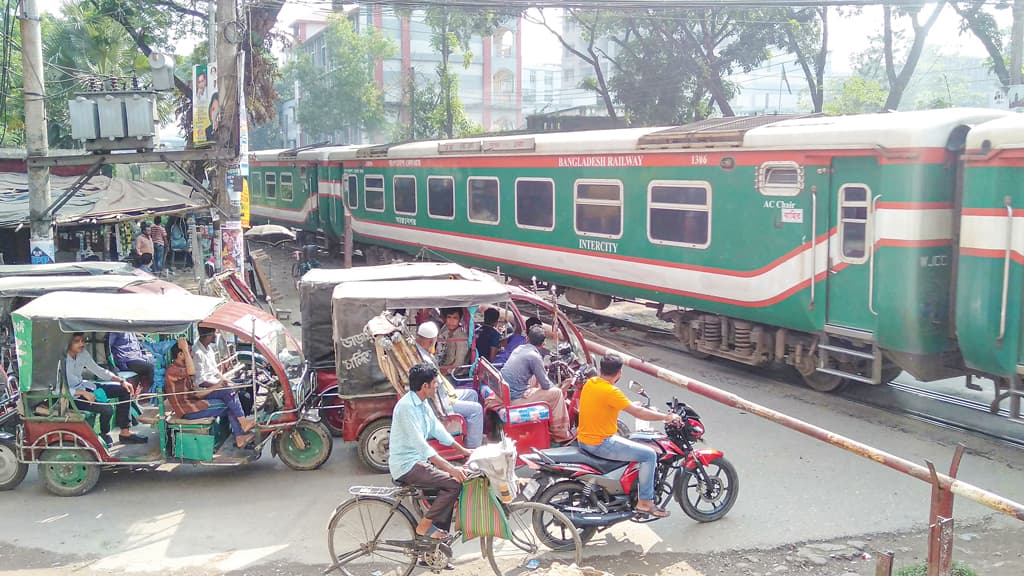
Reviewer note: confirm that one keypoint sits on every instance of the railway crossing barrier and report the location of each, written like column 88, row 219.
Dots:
column 944, row 486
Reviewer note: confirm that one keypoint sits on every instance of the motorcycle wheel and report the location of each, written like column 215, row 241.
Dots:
column 569, row 494
column 720, row 494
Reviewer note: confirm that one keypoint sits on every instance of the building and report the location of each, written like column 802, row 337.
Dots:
column 542, row 86
column 490, row 87
column 575, row 71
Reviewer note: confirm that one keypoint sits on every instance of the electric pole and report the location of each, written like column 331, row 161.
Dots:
column 36, row 143
column 1017, row 44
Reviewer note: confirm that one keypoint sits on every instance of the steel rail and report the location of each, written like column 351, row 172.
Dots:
column 960, row 488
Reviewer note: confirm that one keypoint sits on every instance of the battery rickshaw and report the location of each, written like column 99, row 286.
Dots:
column 62, row 440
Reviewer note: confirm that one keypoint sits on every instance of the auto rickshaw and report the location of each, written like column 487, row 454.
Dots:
column 368, row 397
column 92, row 268
column 60, row 438
column 316, row 289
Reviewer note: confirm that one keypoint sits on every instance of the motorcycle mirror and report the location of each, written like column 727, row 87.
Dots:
column 636, row 387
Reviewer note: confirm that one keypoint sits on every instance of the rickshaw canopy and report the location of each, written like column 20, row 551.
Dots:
column 41, row 327
column 356, row 303
column 317, row 286
column 66, row 269
column 34, row 286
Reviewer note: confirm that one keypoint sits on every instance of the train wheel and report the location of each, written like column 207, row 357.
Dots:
column 824, row 382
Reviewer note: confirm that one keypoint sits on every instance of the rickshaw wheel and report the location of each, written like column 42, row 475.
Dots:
column 375, row 444
column 316, row 450
column 12, row 472
column 74, row 476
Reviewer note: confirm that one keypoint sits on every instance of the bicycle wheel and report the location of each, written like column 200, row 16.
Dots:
column 372, row 536
column 541, row 535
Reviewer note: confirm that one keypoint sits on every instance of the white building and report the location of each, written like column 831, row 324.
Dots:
column 542, row 85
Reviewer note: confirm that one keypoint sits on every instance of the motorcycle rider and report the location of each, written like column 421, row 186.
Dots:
column 600, row 404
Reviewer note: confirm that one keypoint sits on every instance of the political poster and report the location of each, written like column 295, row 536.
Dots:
column 205, row 104
column 233, row 254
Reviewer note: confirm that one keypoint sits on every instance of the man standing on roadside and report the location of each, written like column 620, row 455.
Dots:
column 159, row 236
column 143, row 245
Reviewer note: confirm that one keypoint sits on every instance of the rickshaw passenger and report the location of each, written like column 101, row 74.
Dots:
column 190, row 402
column 453, row 349
column 525, row 363
column 129, row 356
column 463, row 401
column 516, row 340
column 412, row 461
column 205, row 359
column 84, row 392
column 488, row 339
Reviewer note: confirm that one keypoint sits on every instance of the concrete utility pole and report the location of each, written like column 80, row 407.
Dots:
column 1017, row 43
column 36, row 138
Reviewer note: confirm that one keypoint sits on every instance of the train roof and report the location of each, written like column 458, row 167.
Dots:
column 346, row 152
column 266, row 155
column 590, row 141
column 1005, row 132
column 918, row 129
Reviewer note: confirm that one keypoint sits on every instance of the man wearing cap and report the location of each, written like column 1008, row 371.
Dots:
column 462, row 401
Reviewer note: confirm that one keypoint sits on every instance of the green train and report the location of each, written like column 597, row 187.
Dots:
column 825, row 243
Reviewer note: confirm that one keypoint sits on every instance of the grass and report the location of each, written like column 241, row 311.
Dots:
column 959, row 569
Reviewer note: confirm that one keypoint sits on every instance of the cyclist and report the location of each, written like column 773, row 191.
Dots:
column 412, row 461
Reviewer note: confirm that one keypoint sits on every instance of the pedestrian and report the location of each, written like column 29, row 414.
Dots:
column 159, row 236
column 143, row 244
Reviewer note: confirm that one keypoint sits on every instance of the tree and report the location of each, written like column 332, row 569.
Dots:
column 806, row 37
column 898, row 75
column 345, row 96
column 977, row 19
column 428, row 117
column 856, row 95
column 452, row 28
column 12, row 104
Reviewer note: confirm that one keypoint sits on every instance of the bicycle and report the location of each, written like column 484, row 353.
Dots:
column 379, row 533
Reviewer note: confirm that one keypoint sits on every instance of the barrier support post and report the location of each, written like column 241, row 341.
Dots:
column 883, row 566
column 940, row 523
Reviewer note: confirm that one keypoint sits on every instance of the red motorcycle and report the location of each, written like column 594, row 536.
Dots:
column 596, row 493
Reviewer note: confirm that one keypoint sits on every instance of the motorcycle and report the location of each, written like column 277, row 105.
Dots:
column 596, row 493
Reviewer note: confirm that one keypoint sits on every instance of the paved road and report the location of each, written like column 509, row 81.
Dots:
column 265, row 518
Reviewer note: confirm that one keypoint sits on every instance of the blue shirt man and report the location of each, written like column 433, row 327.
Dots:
column 413, row 461
column 488, row 339
column 129, row 356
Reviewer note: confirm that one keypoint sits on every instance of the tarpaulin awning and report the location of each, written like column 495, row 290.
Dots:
column 100, row 200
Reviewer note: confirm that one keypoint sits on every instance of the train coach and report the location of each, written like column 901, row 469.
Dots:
column 825, row 243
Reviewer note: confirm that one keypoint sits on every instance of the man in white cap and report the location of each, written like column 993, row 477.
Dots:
column 462, row 401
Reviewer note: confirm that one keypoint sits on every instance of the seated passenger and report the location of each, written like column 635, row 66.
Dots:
column 462, row 401
column 129, row 357
column 84, row 392
column 488, row 339
column 525, row 363
column 515, row 340
column 414, row 462
column 204, row 357
column 189, row 401
column 453, row 348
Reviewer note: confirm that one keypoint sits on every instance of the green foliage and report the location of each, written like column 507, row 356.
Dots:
column 429, row 117
column 982, row 19
column 959, row 569
column 855, row 95
column 343, row 96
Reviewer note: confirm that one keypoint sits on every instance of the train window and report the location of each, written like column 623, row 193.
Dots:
column 535, row 203
column 599, row 208
column 679, row 213
column 373, row 187
column 780, row 178
column 441, row 197
column 404, row 194
column 255, row 186
column 270, row 181
column 353, row 192
column 287, row 188
column 854, row 223
column 484, row 200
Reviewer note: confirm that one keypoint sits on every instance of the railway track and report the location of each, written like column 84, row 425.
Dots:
column 899, row 397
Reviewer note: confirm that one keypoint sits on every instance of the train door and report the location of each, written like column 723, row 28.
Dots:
column 851, row 244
